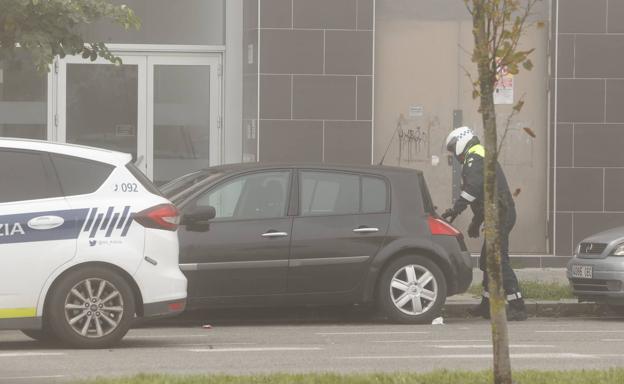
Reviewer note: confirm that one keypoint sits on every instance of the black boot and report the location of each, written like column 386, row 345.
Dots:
column 482, row 309
column 517, row 310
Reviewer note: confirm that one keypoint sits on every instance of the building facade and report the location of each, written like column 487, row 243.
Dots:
column 350, row 81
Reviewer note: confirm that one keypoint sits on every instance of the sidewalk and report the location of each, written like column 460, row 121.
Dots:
column 457, row 306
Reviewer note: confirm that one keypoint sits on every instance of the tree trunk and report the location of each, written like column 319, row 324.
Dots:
column 487, row 77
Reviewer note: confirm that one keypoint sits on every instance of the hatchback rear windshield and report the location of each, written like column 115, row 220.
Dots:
column 426, row 197
column 140, row 176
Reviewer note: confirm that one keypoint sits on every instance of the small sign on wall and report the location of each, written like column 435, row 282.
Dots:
column 416, row 111
column 125, row 130
column 504, row 89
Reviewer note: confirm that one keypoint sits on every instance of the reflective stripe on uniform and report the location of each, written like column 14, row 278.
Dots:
column 476, row 149
column 514, row 296
column 467, row 196
column 14, row 313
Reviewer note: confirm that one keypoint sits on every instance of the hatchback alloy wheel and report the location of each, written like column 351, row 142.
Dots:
column 413, row 289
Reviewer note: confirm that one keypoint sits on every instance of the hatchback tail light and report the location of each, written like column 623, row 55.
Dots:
column 163, row 216
column 440, row 227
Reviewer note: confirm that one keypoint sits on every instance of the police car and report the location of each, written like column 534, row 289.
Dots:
column 87, row 244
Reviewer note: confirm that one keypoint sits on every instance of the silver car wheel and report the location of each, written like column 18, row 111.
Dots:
column 94, row 308
column 413, row 289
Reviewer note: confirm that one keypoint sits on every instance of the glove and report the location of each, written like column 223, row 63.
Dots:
column 449, row 215
column 474, row 229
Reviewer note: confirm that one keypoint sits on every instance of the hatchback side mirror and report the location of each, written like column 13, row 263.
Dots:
column 200, row 216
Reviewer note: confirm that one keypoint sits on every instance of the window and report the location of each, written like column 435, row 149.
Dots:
column 325, row 193
column 253, row 196
column 80, row 176
column 26, row 176
column 374, row 195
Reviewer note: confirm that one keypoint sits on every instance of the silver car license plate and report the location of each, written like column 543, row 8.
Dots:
column 582, row 271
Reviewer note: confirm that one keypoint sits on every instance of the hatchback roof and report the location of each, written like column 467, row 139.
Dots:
column 91, row 153
column 344, row 167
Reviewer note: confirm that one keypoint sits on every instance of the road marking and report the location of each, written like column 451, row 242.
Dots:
column 432, row 341
column 259, row 349
column 30, row 354
column 208, row 344
column 371, row 333
column 581, row 331
column 489, row 346
column 31, row 377
column 180, row 336
column 483, row 356
column 613, row 340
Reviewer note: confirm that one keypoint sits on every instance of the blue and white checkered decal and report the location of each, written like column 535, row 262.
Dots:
column 19, row 228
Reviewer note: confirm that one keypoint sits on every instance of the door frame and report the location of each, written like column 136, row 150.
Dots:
column 145, row 60
column 216, row 127
column 59, row 132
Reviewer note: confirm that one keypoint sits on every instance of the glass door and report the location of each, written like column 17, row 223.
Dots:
column 103, row 105
column 183, row 115
column 164, row 110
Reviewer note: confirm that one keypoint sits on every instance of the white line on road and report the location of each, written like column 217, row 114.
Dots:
column 371, row 333
column 31, row 377
column 613, row 340
column 483, row 356
column 433, row 341
column 489, row 346
column 259, row 349
column 580, row 331
column 180, row 336
column 30, row 354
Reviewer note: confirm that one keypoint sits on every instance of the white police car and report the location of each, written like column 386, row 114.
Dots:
column 87, row 244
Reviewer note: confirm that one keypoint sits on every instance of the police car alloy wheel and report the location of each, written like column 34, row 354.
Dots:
column 412, row 289
column 91, row 308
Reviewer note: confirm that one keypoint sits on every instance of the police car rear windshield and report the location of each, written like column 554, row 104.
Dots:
column 145, row 182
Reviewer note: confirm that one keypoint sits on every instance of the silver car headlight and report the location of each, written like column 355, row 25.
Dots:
column 618, row 251
column 577, row 251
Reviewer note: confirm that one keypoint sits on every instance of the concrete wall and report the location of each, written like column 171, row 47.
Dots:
column 589, row 160
column 315, row 80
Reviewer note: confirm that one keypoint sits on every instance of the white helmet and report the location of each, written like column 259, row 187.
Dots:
column 458, row 138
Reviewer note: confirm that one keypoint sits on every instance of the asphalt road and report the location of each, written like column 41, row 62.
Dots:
column 319, row 347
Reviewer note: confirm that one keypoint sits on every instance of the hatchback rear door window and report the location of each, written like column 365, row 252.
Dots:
column 327, row 193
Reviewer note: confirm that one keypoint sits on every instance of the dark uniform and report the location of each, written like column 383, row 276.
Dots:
column 472, row 194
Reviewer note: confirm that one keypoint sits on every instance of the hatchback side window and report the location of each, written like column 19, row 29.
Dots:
column 326, row 193
column 374, row 195
column 253, row 196
column 80, row 176
column 26, row 175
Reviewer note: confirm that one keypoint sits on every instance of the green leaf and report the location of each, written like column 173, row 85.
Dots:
column 528, row 64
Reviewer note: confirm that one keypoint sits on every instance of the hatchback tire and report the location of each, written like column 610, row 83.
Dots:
column 411, row 290
column 91, row 307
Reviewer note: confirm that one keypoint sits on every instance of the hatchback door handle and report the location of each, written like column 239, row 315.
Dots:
column 365, row 230
column 274, row 234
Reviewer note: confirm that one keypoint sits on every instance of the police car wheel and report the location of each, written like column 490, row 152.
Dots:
column 41, row 335
column 91, row 307
column 412, row 290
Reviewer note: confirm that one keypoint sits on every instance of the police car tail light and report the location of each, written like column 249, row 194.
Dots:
column 441, row 227
column 164, row 216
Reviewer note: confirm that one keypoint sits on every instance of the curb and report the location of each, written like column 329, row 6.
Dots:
column 538, row 309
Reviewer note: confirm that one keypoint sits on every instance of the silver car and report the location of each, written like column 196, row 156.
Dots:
column 596, row 272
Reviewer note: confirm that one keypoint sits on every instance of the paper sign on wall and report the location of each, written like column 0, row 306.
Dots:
column 504, row 89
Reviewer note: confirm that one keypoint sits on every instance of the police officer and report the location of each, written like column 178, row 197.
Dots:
column 466, row 147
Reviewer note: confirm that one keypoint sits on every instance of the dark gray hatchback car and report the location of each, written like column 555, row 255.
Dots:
column 266, row 235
